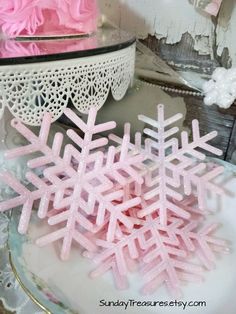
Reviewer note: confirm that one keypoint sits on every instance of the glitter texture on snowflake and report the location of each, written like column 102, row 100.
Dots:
column 131, row 207
column 163, row 253
column 76, row 193
column 171, row 166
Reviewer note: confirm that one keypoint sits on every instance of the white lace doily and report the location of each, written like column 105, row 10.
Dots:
column 29, row 90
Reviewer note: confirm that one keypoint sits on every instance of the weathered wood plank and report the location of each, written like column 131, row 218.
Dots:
column 231, row 152
column 210, row 119
column 182, row 55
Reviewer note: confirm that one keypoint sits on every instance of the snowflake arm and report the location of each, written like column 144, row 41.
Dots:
column 163, row 185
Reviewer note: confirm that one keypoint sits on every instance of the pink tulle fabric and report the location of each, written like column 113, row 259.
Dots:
column 35, row 17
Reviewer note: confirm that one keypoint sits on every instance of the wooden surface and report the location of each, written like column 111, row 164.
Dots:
column 231, row 151
column 210, row 119
column 183, row 55
column 213, row 119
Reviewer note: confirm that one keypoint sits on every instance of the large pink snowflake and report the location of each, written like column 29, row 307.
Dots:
column 78, row 182
column 172, row 165
column 161, row 252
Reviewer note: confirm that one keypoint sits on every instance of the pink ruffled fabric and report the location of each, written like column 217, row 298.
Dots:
column 34, row 17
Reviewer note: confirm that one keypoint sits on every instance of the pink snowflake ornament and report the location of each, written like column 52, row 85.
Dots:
column 77, row 192
column 162, row 253
column 171, row 166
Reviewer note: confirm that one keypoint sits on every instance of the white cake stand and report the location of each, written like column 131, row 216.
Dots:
column 45, row 75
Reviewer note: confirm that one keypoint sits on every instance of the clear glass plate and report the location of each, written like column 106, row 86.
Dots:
column 30, row 50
